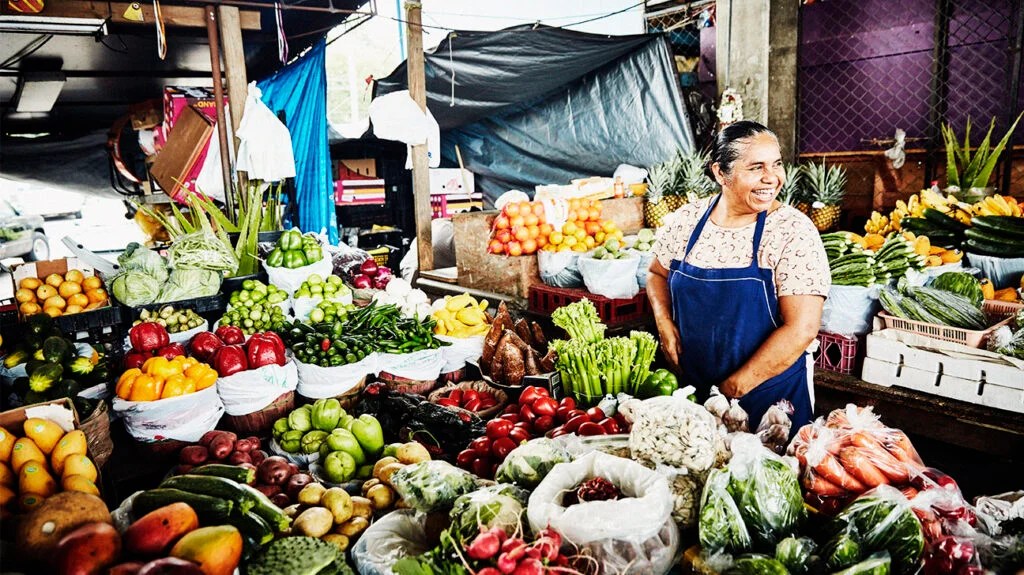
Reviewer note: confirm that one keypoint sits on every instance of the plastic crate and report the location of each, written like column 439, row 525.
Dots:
column 839, row 353
column 384, row 256
column 211, row 308
column 971, row 338
column 545, row 299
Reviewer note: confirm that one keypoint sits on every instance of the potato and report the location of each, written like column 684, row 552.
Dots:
column 412, row 452
column 389, row 470
column 314, row 522
column 381, row 497
column 311, row 494
column 368, row 484
column 353, row 527
column 339, row 503
column 41, row 529
column 338, row 539
column 381, row 464
column 294, row 509
column 362, row 507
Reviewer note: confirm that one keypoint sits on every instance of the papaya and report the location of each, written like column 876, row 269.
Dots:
column 88, row 550
column 39, row 532
column 989, row 290
column 73, row 442
column 25, row 450
column 44, row 432
column 155, row 532
column 6, row 445
column 79, row 464
column 79, row 483
column 7, row 477
column 34, row 478
column 216, row 549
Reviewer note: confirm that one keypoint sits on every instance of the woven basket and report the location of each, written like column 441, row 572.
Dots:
column 97, row 434
column 500, row 396
column 454, row 376
column 347, row 399
column 404, row 385
column 260, row 422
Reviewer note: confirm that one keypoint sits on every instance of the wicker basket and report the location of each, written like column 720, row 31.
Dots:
column 260, row 422
column 500, row 396
column 404, row 385
column 97, row 434
column 454, row 376
column 347, row 399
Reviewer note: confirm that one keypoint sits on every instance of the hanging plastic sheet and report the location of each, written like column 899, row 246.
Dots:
column 300, row 91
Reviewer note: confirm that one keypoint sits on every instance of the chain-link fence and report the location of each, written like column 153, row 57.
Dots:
column 868, row 67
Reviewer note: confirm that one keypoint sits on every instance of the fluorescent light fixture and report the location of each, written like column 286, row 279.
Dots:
column 37, row 91
column 53, row 25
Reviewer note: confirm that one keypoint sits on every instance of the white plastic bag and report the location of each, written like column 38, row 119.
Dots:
column 461, row 350
column 290, row 280
column 265, row 147
column 560, row 269
column 850, row 310
column 1002, row 272
column 301, row 306
column 615, row 279
column 397, row 535
column 317, row 382
column 632, row 535
column 396, row 116
column 303, row 460
column 249, row 391
column 185, row 418
column 182, row 337
column 630, row 174
column 643, row 267
column 420, row 365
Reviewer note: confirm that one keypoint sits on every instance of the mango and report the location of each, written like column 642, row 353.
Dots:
column 6, row 496
column 79, row 464
column 216, row 549
column 6, row 445
column 7, row 477
column 29, row 501
column 73, row 442
column 88, row 550
column 25, row 450
column 79, row 483
column 34, row 478
column 44, row 432
column 155, row 532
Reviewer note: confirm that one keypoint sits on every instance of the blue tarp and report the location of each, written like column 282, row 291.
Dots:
column 300, row 91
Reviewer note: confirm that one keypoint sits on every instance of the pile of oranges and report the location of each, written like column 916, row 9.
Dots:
column 59, row 295
column 521, row 229
column 161, row 378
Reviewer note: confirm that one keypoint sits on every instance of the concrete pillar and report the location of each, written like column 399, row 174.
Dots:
column 759, row 59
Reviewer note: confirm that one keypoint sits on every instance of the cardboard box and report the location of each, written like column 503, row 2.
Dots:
column 12, row 419
column 179, row 98
column 177, row 165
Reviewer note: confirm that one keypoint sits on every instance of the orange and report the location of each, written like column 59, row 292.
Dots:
column 44, row 292
column 68, row 289
column 54, row 280
column 53, row 311
column 555, row 238
column 55, row 301
column 25, row 295
column 92, row 282
column 72, row 309
column 74, row 276
column 29, row 308
column 30, row 283
column 79, row 299
column 97, row 295
column 95, row 305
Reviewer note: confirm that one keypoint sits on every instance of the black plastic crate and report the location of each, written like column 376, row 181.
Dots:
column 210, row 308
column 89, row 321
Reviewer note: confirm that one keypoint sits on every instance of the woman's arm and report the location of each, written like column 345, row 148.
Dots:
column 661, row 305
column 801, row 318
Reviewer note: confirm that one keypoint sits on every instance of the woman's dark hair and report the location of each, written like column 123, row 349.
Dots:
column 726, row 148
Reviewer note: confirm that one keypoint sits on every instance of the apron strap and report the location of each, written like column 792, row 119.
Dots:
column 758, row 232
column 699, row 228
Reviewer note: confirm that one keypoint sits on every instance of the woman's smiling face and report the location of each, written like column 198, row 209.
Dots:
column 756, row 176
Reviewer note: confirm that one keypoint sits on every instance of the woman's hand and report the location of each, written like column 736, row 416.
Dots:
column 671, row 343
column 661, row 307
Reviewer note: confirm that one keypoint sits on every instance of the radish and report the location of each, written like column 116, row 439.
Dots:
column 488, row 571
column 547, row 548
column 529, row 566
column 506, row 564
column 511, row 544
column 485, row 546
column 362, row 282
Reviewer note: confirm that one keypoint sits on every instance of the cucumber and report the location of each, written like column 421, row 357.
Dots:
column 232, row 472
column 211, row 510
column 214, row 487
column 992, row 237
column 986, row 248
column 890, row 301
column 943, row 221
column 252, row 527
column 1009, row 224
column 265, row 508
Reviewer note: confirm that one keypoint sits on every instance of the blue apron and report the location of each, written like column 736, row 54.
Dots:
column 724, row 315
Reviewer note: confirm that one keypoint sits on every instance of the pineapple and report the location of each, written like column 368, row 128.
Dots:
column 791, row 192
column 693, row 180
column 662, row 184
column 826, row 186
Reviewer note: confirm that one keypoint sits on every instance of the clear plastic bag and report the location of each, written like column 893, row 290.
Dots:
column 527, row 465
column 850, row 310
column 397, row 535
column 633, row 535
column 674, row 431
column 499, row 505
column 432, row 485
column 882, row 520
column 614, row 279
column 721, row 526
column 766, row 492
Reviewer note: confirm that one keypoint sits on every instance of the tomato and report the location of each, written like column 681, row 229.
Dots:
column 544, row 423
column 470, row 395
column 448, row 402
column 526, row 414
column 531, row 393
column 481, row 446
column 456, row 394
column 562, row 414
column 510, row 409
column 573, row 424
column 611, row 427
column 587, row 428
column 473, row 405
column 573, row 413
column 544, row 406
column 501, row 447
column 568, row 403
column 497, row 428
column 595, row 414
column 513, row 417
column 482, row 468
column 466, row 458
column 559, row 431
column 519, row 435
column 525, row 426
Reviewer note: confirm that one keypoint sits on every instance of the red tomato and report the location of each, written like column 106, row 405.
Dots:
column 562, row 414
column 501, row 447
column 524, row 425
column 611, row 427
column 510, row 408
column 466, row 458
column 482, row 468
column 573, row 424
column 497, row 428
column 487, row 403
column 519, row 435
column 513, row 417
column 526, row 414
column 559, row 431
column 544, row 406
column 481, row 446
column 544, row 423
column 574, row 412
column 586, row 428
column 567, row 402
column 456, row 394
column 448, row 402
column 472, row 405
column 470, row 395
column 595, row 414
column 530, row 393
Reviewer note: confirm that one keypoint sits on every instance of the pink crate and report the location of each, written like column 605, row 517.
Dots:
column 838, row 353
column 996, row 310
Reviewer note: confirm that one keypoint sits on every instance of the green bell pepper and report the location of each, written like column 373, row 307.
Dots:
column 369, row 434
column 294, row 259
column 313, row 253
column 339, row 467
column 344, row 440
column 326, row 413
column 290, row 240
column 661, row 382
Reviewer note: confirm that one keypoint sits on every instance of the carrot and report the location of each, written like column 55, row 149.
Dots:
column 819, row 485
column 909, row 492
column 859, row 464
column 899, row 445
column 830, row 469
column 895, row 470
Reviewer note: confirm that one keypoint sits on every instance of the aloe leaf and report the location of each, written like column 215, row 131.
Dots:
column 986, row 172
column 980, row 156
column 952, row 175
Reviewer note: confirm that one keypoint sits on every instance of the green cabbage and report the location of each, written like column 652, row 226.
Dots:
column 961, row 283
column 528, row 464
column 495, row 506
column 756, row 565
column 137, row 258
column 842, row 551
column 135, row 288
column 432, row 485
column 721, row 526
column 190, row 283
column 797, row 554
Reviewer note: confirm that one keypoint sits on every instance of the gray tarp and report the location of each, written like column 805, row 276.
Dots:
column 547, row 105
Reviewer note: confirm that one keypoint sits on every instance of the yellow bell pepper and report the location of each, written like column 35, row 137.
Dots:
column 146, row 388
column 124, row 383
column 175, row 385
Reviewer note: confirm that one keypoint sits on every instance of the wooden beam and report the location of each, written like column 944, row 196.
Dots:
column 218, row 92
column 420, row 166
column 181, row 16
column 234, row 67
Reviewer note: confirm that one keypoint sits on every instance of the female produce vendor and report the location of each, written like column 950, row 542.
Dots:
column 739, row 282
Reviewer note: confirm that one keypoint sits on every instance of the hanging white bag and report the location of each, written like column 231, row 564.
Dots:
column 419, row 365
column 265, row 146
column 614, row 279
column 184, row 418
column 461, row 350
column 290, row 280
column 250, row 391
column 317, row 382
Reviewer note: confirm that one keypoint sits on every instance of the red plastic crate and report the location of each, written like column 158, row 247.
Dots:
column 545, row 299
column 839, row 353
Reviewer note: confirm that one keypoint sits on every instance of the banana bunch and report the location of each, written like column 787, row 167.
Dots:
column 461, row 316
column 883, row 225
column 997, row 205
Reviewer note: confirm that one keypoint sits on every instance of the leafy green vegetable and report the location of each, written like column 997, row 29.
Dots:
column 797, row 554
column 756, row 565
column 441, row 560
column 190, row 283
column 202, row 250
column 877, row 564
column 721, row 526
column 882, row 520
column 495, row 506
column 767, row 493
column 842, row 551
column 138, row 258
column 960, row 283
column 528, row 464
column 432, row 485
column 135, row 288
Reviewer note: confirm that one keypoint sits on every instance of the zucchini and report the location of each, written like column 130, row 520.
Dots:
column 943, row 221
column 1007, row 224
column 214, row 487
column 252, row 527
column 266, row 509
column 211, row 510
column 987, row 248
column 890, row 301
column 993, row 237
column 232, row 472
column 917, row 312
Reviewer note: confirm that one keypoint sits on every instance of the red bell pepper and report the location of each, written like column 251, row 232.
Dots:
column 135, row 359
column 276, row 339
column 204, row 345
column 148, row 336
column 230, row 335
column 230, row 360
column 264, row 351
column 171, row 351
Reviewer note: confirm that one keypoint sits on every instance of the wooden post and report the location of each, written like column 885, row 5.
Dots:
column 218, row 94
column 420, row 167
column 234, row 71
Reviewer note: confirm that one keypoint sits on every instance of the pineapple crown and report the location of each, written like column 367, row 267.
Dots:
column 791, row 192
column 825, row 184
